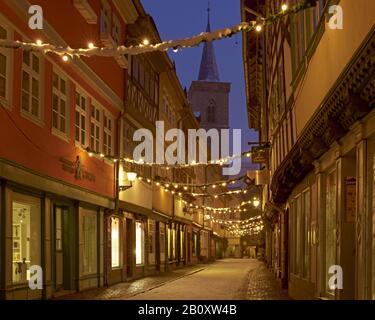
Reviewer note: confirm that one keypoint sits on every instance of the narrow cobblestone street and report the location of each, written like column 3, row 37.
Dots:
column 223, row 280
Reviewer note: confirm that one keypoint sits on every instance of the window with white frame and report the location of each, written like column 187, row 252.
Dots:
column 107, row 134
column 116, row 30
column 4, row 66
column 59, row 103
column 105, row 17
column 95, row 129
column 31, row 83
column 80, row 118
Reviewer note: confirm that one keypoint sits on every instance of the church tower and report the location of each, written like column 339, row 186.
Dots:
column 208, row 96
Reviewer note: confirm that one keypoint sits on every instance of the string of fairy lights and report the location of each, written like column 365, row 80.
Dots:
column 68, row 53
column 221, row 162
column 250, row 226
column 177, row 186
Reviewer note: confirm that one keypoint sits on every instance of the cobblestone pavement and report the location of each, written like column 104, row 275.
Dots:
column 242, row 279
column 125, row 290
column 262, row 285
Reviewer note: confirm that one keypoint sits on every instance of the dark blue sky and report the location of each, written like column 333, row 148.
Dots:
column 178, row 19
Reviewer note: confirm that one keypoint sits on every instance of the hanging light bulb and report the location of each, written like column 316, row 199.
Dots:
column 146, row 42
column 284, row 7
column 65, row 58
column 39, row 42
column 91, row 45
column 258, row 28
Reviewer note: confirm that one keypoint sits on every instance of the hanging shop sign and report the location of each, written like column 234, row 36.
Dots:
column 258, row 155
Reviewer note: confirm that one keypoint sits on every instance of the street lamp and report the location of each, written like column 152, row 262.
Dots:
column 256, row 203
column 132, row 176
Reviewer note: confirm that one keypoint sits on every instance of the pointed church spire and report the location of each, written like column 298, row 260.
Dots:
column 208, row 70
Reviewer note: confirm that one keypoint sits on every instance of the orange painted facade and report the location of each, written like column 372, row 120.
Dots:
column 33, row 145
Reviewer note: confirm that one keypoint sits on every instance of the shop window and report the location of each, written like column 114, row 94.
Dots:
column 182, row 242
column 299, row 242
column 330, row 224
column 115, row 243
column 25, row 236
column 306, row 234
column 195, row 244
column 30, row 96
column 162, row 240
column 139, row 243
column 80, row 119
column 59, row 104
column 88, row 242
column 169, row 242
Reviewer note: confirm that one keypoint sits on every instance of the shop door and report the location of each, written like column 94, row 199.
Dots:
column 129, row 248
column 189, row 247
column 285, row 258
column 61, row 249
column 157, row 246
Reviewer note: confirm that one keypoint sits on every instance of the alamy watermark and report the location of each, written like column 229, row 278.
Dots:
column 35, row 277
column 192, row 149
column 335, row 282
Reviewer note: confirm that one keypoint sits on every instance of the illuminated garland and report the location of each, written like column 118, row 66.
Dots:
column 237, row 192
column 141, row 162
column 247, row 222
column 67, row 53
column 223, row 209
column 175, row 186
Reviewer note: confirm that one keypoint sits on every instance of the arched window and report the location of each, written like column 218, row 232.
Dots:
column 211, row 110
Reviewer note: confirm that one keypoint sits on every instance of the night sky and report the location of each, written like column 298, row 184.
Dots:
column 178, row 19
